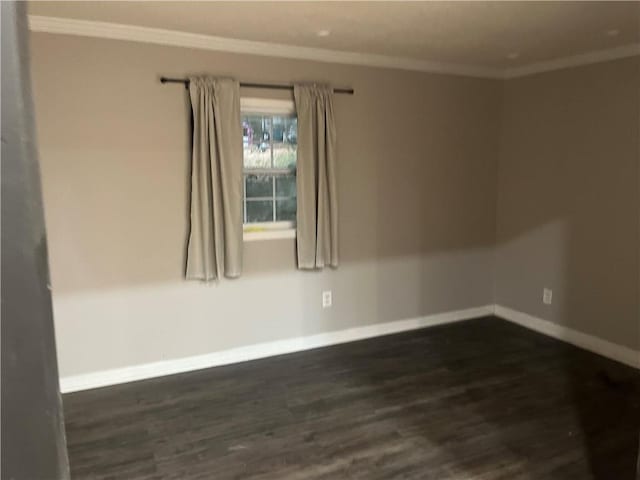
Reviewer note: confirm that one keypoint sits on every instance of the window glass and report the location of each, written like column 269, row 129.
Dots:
column 286, row 209
column 270, row 144
column 286, row 186
column 259, row 211
column 258, row 186
column 256, row 135
column 285, row 142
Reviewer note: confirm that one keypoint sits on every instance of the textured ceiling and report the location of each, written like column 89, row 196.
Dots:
column 467, row 33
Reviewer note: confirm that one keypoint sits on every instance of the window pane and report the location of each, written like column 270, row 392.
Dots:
column 259, row 185
column 259, row 211
column 285, row 142
column 269, row 142
column 286, row 210
column 286, row 186
column 256, row 141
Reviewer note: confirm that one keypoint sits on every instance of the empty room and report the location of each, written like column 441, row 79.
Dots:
column 320, row 240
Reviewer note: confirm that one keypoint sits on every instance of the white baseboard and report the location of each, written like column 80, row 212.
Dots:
column 116, row 376
column 261, row 350
column 597, row 345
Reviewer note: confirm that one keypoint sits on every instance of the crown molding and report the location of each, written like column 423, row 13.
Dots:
column 574, row 61
column 116, row 31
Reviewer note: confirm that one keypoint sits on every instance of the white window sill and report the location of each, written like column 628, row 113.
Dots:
column 252, row 236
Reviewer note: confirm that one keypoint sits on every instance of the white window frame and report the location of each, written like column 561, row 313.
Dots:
column 266, row 230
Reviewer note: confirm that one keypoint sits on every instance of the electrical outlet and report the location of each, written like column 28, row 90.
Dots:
column 326, row 299
column 547, row 296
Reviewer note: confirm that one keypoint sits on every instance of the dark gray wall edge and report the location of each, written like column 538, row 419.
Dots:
column 33, row 437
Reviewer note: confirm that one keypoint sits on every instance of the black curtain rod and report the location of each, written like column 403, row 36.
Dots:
column 185, row 82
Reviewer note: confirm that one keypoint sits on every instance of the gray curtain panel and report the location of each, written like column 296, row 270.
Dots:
column 215, row 238
column 317, row 217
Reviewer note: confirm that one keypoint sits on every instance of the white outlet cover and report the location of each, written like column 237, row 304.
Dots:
column 547, row 296
column 326, row 299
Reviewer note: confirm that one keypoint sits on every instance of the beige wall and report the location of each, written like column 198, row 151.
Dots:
column 417, row 184
column 568, row 198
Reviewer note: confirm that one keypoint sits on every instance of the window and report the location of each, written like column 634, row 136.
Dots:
column 270, row 141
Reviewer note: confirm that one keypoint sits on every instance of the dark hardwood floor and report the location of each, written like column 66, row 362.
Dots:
column 482, row 399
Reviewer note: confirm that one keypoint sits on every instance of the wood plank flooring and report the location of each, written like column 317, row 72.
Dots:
column 482, row 399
